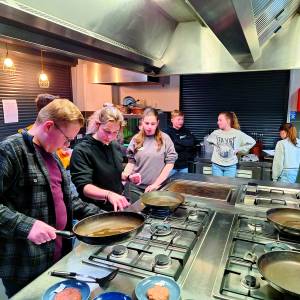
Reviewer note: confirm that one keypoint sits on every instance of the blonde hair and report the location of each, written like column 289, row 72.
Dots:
column 102, row 116
column 176, row 113
column 60, row 111
column 291, row 132
column 230, row 115
column 140, row 137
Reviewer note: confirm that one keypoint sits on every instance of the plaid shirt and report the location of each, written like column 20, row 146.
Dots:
column 25, row 196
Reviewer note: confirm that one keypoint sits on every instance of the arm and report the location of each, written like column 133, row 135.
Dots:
column 161, row 178
column 128, row 175
column 81, row 168
column 278, row 161
column 212, row 138
column 247, row 142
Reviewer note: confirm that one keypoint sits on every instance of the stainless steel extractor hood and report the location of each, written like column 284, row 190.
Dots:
column 106, row 74
column 162, row 37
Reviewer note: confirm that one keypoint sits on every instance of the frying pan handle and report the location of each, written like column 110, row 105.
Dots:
column 64, row 233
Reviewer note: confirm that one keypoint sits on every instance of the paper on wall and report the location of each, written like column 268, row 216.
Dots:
column 10, row 110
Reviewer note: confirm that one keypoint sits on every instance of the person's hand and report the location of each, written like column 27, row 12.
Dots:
column 119, row 202
column 235, row 151
column 152, row 187
column 41, row 233
column 135, row 178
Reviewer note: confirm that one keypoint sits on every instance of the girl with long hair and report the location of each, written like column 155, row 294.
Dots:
column 287, row 155
column 228, row 140
column 96, row 163
column 151, row 153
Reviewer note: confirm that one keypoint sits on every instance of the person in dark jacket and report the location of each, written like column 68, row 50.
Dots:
column 184, row 142
column 35, row 197
column 96, row 163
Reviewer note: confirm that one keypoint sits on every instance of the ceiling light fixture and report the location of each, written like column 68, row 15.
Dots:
column 8, row 64
column 43, row 78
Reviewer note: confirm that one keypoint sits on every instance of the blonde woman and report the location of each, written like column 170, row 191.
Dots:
column 287, row 155
column 228, row 140
column 96, row 163
column 151, row 153
column 35, row 198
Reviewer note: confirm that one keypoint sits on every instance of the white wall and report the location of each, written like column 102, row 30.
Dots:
column 88, row 96
column 293, row 94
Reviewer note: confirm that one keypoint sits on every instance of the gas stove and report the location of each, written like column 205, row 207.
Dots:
column 165, row 244
column 238, row 276
column 262, row 198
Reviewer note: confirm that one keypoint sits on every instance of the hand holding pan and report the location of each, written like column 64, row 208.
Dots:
column 106, row 228
column 285, row 220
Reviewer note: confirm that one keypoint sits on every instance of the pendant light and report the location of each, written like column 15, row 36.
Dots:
column 8, row 64
column 43, row 78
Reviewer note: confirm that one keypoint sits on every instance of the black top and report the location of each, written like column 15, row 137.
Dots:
column 184, row 142
column 93, row 162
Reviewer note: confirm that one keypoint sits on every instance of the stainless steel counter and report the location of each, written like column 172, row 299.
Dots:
column 199, row 275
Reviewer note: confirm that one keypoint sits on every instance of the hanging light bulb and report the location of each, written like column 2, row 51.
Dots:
column 8, row 64
column 43, row 78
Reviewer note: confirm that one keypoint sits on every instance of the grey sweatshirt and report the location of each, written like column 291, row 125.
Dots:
column 227, row 144
column 148, row 161
column 287, row 157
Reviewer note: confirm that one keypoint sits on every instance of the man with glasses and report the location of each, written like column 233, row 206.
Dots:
column 35, row 198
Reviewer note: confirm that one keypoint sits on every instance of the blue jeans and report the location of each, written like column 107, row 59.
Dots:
column 174, row 171
column 228, row 171
column 288, row 176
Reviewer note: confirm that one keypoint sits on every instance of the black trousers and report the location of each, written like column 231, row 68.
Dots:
column 12, row 286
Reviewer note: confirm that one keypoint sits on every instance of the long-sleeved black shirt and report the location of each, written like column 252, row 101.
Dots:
column 93, row 162
column 184, row 142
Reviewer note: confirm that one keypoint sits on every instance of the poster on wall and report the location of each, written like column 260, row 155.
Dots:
column 10, row 110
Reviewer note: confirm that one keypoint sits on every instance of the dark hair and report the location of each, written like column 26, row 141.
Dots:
column 230, row 115
column 290, row 130
column 43, row 99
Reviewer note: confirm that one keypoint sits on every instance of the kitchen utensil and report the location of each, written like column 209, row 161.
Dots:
column 162, row 200
column 282, row 270
column 86, row 278
column 285, row 220
column 112, row 296
column 72, row 283
column 106, row 228
column 143, row 286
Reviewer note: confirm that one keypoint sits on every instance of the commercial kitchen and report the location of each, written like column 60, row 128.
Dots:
column 201, row 57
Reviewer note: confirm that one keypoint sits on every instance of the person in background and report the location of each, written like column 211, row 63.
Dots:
column 283, row 131
column 35, row 198
column 227, row 141
column 41, row 101
column 287, row 156
column 96, row 163
column 184, row 142
column 151, row 153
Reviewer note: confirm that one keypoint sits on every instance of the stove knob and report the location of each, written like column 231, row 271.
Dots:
column 250, row 280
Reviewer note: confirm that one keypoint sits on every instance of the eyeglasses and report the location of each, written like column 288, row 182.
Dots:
column 68, row 140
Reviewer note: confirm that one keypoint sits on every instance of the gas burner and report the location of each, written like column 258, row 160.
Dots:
column 256, row 225
column 162, row 261
column 159, row 213
column 160, row 229
column 193, row 214
column 250, row 282
column 119, row 251
column 276, row 246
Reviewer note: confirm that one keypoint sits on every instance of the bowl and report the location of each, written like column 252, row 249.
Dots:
column 143, row 286
column 113, row 296
column 70, row 283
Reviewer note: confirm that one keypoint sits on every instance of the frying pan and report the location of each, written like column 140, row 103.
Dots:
column 162, row 200
column 106, row 228
column 282, row 270
column 285, row 220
